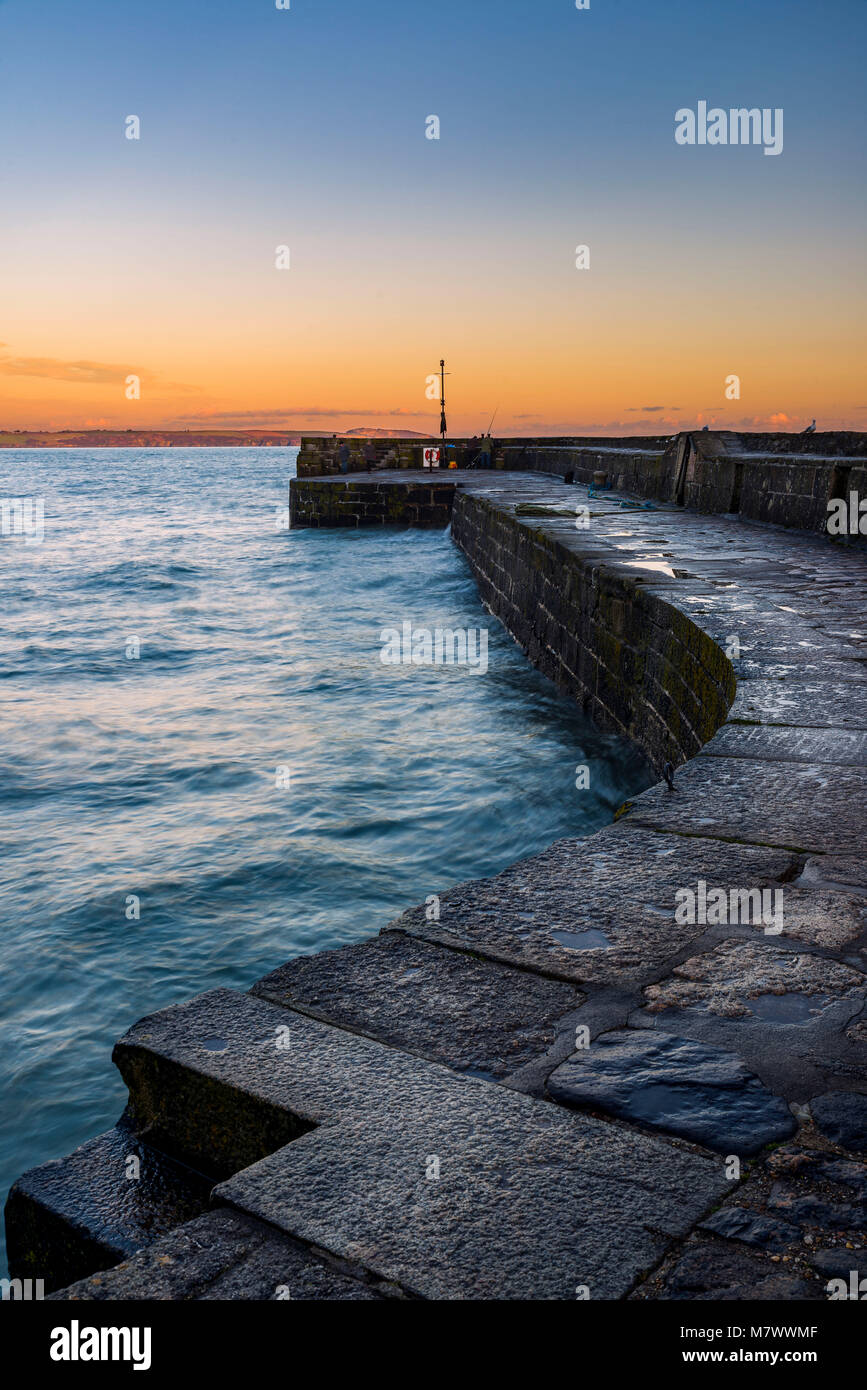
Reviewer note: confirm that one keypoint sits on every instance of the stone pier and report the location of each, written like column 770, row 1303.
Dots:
column 630, row 1067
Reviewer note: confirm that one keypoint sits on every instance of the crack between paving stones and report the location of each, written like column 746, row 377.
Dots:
column 725, row 839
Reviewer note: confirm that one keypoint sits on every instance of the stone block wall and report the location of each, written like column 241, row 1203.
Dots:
column 795, row 491
column 319, row 457
column 784, row 479
column 791, row 492
column 821, row 444
column 643, row 472
column 634, row 662
column 320, row 502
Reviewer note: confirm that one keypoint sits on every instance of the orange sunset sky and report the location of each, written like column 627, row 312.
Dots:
column 156, row 257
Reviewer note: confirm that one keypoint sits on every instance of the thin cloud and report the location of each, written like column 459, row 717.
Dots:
column 763, row 422
column 275, row 414
column 84, row 372
column 54, row 369
column 602, row 427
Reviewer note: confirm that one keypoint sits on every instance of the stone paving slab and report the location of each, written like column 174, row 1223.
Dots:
column 802, row 806
column 655, row 1079
column 831, row 703
column 775, row 635
column 795, row 667
column 518, row 1211
column 473, row 1015
column 600, row 910
column 842, row 747
column 588, row 1202
column 220, row 1256
column 785, row 653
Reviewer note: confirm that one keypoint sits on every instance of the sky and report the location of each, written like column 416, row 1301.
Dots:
column 307, row 128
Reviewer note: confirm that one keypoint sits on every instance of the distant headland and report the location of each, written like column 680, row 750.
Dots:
column 183, row 439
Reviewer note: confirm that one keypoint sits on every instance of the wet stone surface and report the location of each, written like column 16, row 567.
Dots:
column 803, row 703
column 739, row 978
column 840, row 1263
column 842, row 1117
column 826, row 905
column 845, row 747
column 89, row 1210
column 709, row 1269
column 818, row 1165
column 783, row 1233
column 683, row 1088
column 812, row 1210
column 798, row 805
column 544, row 913
column 819, row 1197
column 739, row 1223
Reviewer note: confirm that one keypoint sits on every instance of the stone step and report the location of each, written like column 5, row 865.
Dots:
column 402, row 1168
column 221, row 1255
column 73, row 1216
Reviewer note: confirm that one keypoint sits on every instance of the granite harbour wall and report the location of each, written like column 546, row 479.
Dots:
column 636, row 664
column 785, row 479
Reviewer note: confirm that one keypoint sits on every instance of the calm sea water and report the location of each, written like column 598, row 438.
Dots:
column 156, row 778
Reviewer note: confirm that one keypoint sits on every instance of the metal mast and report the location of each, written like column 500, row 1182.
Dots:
column 443, row 426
